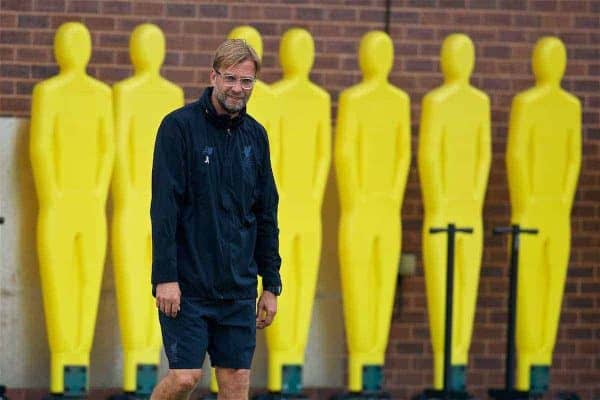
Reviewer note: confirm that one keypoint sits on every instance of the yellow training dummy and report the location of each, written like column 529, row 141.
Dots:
column 72, row 153
column 454, row 161
column 140, row 103
column 372, row 155
column 263, row 104
column 543, row 160
column 305, row 143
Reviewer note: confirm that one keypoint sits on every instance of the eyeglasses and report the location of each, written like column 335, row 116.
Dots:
column 231, row 80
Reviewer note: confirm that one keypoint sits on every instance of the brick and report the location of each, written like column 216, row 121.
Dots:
column 32, row 54
column 100, row 23
column 310, row 14
column 420, row 65
column 16, row 5
column 409, row 348
column 106, row 57
column 14, row 104
column 277, row 12
column 181, row 10
column 148, row 8
column 33, row 21
column 7, row 87
column 43, row 71
column 213, row 11
column 25, row 87
column 268, row 28
column 43, row 38
column 467, row 18
column 114, row 40
column 587, row 86
column 511, row 36
column 371, row 15
column 8, row 20
column 497, row 51
column 342, row 14
column 590, row 22
column 179, row 75
column 15, row 37
column 246, row 12
column 197, row 59
column 405, row 17
column 544, row 5
column 50, row 5
column 512, row 4
column 527, row 20
column 199, row 27
column 113, row 74
column 116, row 7
column 83, row 6
column 57, row 20
column 420, row 33
column 484, row 4
column 435, row 17
column 422, row 3
column 497, row 19
column 453, row 3
column 169, row 26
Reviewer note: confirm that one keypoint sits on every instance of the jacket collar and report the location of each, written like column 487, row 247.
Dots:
column 220, row 121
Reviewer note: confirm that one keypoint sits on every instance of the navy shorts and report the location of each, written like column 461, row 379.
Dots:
column 224, row 328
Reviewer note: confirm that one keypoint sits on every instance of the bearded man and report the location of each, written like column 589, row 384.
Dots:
column 214, row 230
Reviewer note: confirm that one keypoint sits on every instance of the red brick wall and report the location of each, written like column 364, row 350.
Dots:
column 504, row 32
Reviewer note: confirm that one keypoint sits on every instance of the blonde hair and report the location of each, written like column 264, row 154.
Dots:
column 234, row 51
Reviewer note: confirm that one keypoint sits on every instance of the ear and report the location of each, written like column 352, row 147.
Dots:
column 213, row 77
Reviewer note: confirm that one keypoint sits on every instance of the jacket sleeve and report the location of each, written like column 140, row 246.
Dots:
column 168, row 194
column 266, row 252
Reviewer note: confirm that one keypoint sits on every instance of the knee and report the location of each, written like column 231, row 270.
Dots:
column 234, row 385
column 185, row 381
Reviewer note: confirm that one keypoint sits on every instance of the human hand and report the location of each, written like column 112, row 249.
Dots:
column 168, row 298
column 266, row 309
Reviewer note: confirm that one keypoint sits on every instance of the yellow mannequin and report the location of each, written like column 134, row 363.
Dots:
column 543, row 160
column 454, row 161
column 264, row 108
column 263, row 104
column 305, row 142
column 140, row 104
column 72, row 153
column 372, row 154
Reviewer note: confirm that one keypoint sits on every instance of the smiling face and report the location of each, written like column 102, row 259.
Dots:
column 230, row 97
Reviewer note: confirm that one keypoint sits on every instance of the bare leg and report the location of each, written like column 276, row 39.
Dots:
column 177, row 385
column 234, row 384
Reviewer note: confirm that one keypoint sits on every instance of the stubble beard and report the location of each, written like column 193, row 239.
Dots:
column 231, row 109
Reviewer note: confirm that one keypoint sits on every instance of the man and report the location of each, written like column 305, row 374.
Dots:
column 214, row 228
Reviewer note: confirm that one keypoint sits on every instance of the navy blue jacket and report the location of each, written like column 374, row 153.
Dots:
column 214, row 204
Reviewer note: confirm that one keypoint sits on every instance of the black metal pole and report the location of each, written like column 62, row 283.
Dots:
column 388, row 11
column 509, row 373
column 449, row 298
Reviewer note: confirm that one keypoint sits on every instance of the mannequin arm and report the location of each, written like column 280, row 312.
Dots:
column 323, row 155
column 346, row 143
column 574, row 159
column 484, row 156
column 516, row 153
column 430, row 140
column 41, row 147
column 402, row 154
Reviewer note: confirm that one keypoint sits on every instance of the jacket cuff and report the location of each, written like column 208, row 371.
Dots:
column 271, row 279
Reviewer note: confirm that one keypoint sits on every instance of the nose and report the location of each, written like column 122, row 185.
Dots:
column 237, row 86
